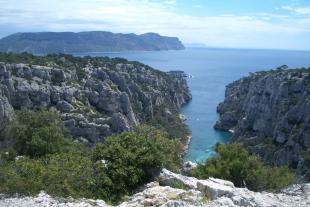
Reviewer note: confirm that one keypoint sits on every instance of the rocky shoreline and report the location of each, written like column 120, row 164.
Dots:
column 189, row 139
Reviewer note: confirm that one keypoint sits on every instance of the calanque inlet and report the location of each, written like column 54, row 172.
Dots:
column 112, row 105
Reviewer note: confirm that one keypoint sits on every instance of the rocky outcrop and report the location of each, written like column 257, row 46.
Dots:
column 269, row 113
column 94, row 41
column 156, row 195
column 44, row 200
column 98, row 98
column 168, row 193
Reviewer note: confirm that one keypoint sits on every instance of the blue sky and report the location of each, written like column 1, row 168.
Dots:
column 274, row 24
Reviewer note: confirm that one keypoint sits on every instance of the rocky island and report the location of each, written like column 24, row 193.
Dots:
column 269, row 113
column 95, row 41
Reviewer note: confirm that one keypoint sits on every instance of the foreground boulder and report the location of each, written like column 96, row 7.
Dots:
column 223, row 193
column 177, row 190
column 156, row 195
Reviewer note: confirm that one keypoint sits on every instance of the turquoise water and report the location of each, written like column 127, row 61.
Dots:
column 212, row 69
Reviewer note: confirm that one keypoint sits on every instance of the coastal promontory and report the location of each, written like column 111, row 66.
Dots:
column 94, row 41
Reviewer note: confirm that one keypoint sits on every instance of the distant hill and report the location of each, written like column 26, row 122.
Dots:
column 97, row 41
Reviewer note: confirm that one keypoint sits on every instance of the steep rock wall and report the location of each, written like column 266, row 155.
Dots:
column 269, row 112
column 97, row 98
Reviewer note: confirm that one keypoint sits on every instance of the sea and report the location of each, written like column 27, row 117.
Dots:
column 209, row 71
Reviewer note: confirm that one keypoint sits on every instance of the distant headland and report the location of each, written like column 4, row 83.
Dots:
column 93, row 41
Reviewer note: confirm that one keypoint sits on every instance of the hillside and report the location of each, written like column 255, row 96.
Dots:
column 96, row 97
column 269, row 112
column 97, row 41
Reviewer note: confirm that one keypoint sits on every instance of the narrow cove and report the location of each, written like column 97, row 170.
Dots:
column 210, row 70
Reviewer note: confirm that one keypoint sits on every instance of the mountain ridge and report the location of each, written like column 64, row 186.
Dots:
column 88, row 41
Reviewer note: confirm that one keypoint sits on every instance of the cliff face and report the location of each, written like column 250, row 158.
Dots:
column 96, row 97
column 269, row 112
column 69, row 42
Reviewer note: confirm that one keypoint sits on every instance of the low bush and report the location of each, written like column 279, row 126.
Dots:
column 20, row 176
column 234, row 163
column 115, row 168
column 37, row 133
column 65, row 174
column 133, row 158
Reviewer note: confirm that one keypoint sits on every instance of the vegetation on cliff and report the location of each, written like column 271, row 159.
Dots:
column 112, row 169
column 131, row 159
column 52, row 161
column 36, row 134
column 234, row 163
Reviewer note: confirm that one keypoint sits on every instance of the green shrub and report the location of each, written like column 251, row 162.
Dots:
column 133, row 158
column 57, row 78
column 234, row 163
column 65, row 174
column 306, row 170
column 80, row 72
column 7, row 155
column 172, row 124
column 21, row 176
column 37, row 133
column 68, row 174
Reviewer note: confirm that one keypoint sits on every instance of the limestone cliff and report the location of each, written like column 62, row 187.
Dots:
column 269, row 112
column 96, row 97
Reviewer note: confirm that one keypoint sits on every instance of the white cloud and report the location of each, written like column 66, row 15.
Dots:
column 171, row 2
column 261, row 30
column 297, row 10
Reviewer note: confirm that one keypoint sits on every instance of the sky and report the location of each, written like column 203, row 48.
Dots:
column 270, row 24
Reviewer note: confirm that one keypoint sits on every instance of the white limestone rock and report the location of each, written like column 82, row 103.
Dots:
column 168, row 178
column 44, row 200
column 155, row 195
column 202, row 193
